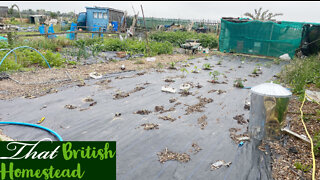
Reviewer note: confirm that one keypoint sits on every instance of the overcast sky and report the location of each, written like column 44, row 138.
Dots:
column 307, row 11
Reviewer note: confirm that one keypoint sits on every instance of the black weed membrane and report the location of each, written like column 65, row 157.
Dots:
column 180, row 129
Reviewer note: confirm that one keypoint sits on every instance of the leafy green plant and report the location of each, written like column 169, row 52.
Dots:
column 195, row 69
column 72, row 62
column 238, row 83
column 214, row 75
column 184, row 71
column 95, row 48
column 219, row 62
column 172, row 65
column 301, row 72
column 206, row 66
column 255, row 71
column 177, row 38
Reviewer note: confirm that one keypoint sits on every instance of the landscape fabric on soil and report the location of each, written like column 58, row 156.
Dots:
column 115, row 120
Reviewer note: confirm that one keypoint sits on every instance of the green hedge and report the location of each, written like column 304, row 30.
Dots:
column 177, row 38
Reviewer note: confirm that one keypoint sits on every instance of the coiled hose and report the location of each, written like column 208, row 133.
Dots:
column 36, row 126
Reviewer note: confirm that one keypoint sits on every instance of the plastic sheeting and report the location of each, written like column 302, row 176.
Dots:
column 137, row 148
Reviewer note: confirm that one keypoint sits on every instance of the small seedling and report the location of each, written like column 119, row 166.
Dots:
column 207, row 66
column 206, row 57
column 184, row 71
column 214, row 76
column 219, row 62
column 172, row 65
column 255, row 71
column 238, row 83
column 195, row 70
column 159, row 65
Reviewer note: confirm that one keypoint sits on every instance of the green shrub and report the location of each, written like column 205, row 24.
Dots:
column 28, row 57
column 177, row 38
column 301, row 72
column 43, row 43
column 136, row 47
column 54, row 59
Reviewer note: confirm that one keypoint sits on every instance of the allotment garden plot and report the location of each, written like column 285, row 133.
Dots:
column 175, row 122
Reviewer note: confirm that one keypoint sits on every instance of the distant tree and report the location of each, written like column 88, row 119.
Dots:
column 53, row 15
column 262, row 16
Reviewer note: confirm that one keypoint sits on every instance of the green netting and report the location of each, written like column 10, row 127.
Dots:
column 310, row 39
column 260, row 38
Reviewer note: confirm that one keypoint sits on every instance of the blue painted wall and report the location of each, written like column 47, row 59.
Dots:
column 91, row 21
column 82, row 19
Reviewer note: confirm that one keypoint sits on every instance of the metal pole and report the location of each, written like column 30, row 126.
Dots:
column 147, row 45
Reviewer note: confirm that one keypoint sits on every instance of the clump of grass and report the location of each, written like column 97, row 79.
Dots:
column 139, row 62
column 302, row 167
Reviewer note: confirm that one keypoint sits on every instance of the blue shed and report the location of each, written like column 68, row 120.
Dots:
column 97, row 16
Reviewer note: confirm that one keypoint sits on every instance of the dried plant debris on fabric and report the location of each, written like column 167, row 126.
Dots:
column 196, row 148
column 240, row 119
column 167, row 118
column 143, row 112
column 69, row 106
column 167, row 155
column 199, row 106
column 202, row 121
column 150, row 126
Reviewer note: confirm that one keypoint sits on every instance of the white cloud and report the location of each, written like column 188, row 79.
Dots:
column 293, row 11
